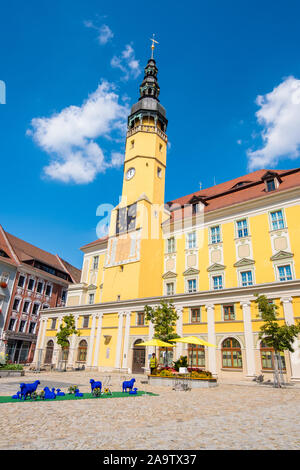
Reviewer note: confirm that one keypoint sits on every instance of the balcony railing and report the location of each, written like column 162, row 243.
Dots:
column 145, row 128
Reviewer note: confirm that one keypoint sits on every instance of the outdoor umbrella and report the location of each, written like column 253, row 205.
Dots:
column 193, row 340
column 157, row 342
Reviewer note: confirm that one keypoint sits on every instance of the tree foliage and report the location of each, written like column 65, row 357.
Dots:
column 164, row 318
column 67, row 328
column 279, row 337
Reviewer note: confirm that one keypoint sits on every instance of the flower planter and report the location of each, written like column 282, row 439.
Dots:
column 3, row 285
column 193, row 383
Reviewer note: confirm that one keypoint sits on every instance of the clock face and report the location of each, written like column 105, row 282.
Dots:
column 130, row 173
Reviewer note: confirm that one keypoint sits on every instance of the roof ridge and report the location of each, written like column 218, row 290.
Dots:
column 14, row 255
column 232, row 189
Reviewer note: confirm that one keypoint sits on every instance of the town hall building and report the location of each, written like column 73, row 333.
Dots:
column 209, row 252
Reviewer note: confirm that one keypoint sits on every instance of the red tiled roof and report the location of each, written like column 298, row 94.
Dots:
column 227, row 194
column 21, row 251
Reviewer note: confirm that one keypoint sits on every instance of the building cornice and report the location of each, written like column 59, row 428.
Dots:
column 233, row 294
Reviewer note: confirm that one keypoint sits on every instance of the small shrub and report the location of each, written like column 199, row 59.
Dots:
column 11, row 367
column 166, row 373
column 181, row 362
column 72, row 389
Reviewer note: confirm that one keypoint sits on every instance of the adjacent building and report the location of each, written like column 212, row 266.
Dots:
column 31, row 280
column 210, row 252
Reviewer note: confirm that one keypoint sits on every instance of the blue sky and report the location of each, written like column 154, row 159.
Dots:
column 229, row 76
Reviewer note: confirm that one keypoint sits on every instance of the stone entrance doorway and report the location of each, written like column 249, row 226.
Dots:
column 138, row 360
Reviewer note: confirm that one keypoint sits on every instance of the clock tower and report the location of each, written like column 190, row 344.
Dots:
column 135, row 246
column 146, row 142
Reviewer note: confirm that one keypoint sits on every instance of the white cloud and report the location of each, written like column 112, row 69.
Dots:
column 104, row 32
column 127, row 63
column 69, row 136
column 279, row 114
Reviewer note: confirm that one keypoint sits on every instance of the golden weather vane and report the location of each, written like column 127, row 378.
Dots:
column 152, row 45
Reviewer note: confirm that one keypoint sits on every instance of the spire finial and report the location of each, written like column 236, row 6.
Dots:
column 152, row 45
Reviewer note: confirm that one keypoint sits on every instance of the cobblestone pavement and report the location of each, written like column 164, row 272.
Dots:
column 225, row 417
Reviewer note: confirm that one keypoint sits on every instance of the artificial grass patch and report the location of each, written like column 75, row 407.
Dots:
column 8, row 399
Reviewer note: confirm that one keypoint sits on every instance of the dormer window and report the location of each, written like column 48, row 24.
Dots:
column 270, row 185
column 195, row 209
column 272, row 181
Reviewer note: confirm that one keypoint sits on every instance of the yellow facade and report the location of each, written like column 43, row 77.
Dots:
column 157, row 258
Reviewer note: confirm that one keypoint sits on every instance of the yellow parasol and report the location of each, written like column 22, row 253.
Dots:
column 157, row 342
column 193, row 340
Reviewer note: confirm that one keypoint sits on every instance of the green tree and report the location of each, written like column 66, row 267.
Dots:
column 280, row 338
column 164, row 318
column 67, row 328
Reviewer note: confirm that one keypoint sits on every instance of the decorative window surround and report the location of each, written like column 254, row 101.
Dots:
column 215, row 235
column 48, row 292
column 191, row 241
column 31, row 281
column 191, row 275
column 242, row 266
column 283, row 258
column 243, row 231
column 216, row 270
column 277, row 219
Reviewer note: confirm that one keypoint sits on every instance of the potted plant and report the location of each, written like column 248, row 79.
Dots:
column 3, row 284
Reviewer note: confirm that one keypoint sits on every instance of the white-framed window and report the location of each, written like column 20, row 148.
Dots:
column 192, row 285
column 91, row 298
column 215, row 234
column 45, row 306
column 22, row 326
column 53, row 323
column 285, row 273
column 191, row 240
column 35, row 308
column 217, row 282
column 12, row 324
column 26, row 306
column 48, row 290
column 40, row 287
column 95, row 262
column 32, row 328
column 171, row 245
column 31, row 284
column 21, row 280
column 64, row 295
column 246, row 278
column 170, row 288
column 16, row 304
column 277, row 220
column 242, row 228
column 159, row 172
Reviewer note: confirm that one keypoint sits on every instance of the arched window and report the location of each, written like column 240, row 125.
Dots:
column 49, row 352
column 82, row 351
column 65, row 352
column 267, row 357
column 196, row 356
column 231, row 354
